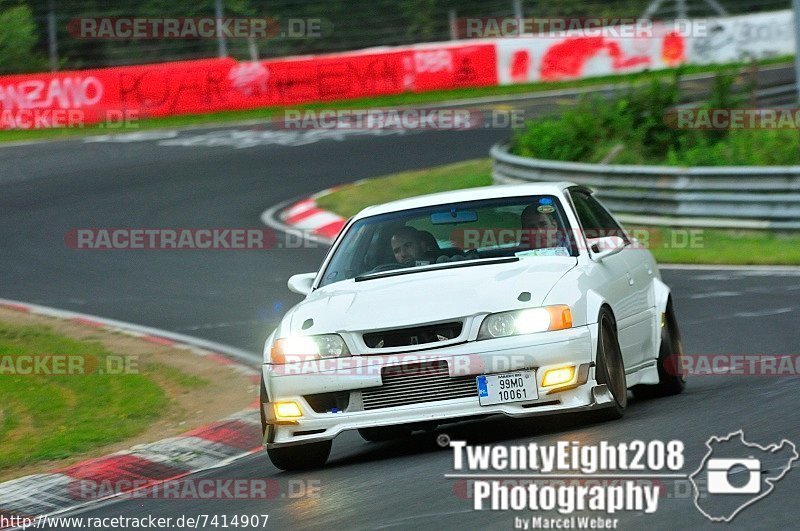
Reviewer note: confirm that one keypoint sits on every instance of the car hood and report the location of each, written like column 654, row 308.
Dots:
column 427, row 296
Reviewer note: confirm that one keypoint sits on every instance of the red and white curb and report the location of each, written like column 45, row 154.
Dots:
column 304, row 215
column 144, row 465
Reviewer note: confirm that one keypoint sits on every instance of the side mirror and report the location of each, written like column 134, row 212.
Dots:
column 602, row 248
column 301, row 283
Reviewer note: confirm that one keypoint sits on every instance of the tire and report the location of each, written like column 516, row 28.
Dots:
column 300, row 457
column 263, row 399
column 610, row 368
column 671, row 377
column 384, row 433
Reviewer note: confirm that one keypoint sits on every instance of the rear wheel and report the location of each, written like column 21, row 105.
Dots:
column 300, row 457
column 671, row 374
column 384, row 433
column 609, row 367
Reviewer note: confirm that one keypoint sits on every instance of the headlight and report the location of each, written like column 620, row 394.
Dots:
column 301, row 348
column 527, row 321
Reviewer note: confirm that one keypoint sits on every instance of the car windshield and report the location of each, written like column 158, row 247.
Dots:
column 468, row 232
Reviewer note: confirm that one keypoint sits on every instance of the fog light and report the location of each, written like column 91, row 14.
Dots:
column 287, row 410
column 558, row 376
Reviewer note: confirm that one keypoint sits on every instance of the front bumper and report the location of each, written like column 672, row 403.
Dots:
column 351, row 376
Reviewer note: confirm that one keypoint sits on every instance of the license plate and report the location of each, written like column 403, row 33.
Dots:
column 508, row 387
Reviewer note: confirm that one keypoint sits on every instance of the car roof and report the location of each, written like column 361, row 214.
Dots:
column 467, row 194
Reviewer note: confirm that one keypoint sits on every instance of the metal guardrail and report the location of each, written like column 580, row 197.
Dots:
column 736, row 197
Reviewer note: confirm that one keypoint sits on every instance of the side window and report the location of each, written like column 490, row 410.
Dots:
column 585, row 214
column 596, row 220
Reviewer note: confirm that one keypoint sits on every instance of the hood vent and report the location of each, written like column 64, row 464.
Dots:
column 418, row 335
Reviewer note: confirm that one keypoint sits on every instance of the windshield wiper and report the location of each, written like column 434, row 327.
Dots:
column 437, row 267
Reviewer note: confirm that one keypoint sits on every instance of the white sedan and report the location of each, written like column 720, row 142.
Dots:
column 512, row 300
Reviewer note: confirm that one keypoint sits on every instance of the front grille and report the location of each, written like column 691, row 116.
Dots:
column 418, row 383
column 418, row 335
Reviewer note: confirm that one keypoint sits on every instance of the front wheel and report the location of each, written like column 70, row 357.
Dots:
column 671, row 373
column 300, row 457
column 609, row 367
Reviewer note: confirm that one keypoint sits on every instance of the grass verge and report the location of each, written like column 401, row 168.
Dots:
column 266, row 113
column 53, row 416
column 668, row 245
column 351, row 198
column 53, row 421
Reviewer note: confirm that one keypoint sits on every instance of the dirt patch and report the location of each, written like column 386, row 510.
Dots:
column 200, row 389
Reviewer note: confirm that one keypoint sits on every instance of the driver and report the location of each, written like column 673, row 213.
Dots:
column 408, row 246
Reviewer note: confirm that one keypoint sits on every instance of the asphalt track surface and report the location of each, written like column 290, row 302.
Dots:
column 233, row 297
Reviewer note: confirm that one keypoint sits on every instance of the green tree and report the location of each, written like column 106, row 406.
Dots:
column 17, row 41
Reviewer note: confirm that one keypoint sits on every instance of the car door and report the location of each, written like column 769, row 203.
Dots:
column 614, row 279
column 640, row 325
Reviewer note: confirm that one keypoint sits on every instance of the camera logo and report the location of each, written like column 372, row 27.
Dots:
column 718, row 482
column 735, row 474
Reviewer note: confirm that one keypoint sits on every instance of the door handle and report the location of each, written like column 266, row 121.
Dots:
column 630, row 279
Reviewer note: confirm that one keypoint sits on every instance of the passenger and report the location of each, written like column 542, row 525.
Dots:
column 429, row 243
